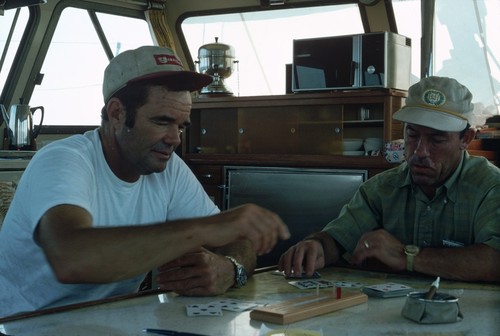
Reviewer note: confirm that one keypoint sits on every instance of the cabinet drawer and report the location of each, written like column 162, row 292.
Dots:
column 215, row 194
column 208, row 174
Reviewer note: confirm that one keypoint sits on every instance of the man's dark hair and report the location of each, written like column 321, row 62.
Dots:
column 133, row 96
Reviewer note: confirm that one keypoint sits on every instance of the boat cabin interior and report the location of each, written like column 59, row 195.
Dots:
column 303, row 90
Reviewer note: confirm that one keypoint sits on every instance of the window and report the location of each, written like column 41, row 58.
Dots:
column 71, row 90
column 467, row 47
column 407, row 13
column 263, row 41
column 466, row 43
column 8, row 50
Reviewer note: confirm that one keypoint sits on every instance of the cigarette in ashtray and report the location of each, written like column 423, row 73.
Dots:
column 432, row 291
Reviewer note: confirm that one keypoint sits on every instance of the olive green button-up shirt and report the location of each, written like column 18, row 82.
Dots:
column 465, row 210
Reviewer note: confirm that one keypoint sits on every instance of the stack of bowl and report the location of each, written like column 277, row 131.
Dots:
column 373, row 146
column 353, row 147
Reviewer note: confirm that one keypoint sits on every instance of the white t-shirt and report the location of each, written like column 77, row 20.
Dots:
column 74, row 171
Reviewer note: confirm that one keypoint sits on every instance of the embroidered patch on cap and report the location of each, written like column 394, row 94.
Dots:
column 167, row 59
column 434, row 97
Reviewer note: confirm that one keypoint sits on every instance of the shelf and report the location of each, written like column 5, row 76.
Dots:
column 368, row 122
column 302, row 124
column 303, row 129
column 291, row 160
column 340, row 96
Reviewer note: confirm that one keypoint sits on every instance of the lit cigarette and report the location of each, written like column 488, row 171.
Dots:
column 432, row 291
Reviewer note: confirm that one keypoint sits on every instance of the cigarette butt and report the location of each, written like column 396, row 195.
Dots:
column 430, row 294
column 317, row 289
column 432, row 291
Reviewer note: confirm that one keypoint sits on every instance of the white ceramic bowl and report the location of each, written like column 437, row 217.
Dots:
column 352, row 144
column 373, row 144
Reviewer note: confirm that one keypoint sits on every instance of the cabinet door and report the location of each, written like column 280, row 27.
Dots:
column 267, row 130
column 320, row 130
column 215, row 193
column 210, row 177
column 218, row 131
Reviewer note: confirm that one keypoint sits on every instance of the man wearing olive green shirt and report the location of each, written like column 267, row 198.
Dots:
column 438, row 213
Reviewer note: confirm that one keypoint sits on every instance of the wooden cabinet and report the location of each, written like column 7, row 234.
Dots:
column 296, row 130
column 291, row 124
column 211, row 178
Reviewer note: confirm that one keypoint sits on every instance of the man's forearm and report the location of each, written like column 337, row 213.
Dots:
column 243, row 252
column 472, row 263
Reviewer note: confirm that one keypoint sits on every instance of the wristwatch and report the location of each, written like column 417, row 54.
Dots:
column 240, row 274
column 411, row 252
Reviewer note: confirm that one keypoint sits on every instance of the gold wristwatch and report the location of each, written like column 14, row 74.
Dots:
column 411, row 252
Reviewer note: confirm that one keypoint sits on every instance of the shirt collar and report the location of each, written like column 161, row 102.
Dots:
column 450, row 184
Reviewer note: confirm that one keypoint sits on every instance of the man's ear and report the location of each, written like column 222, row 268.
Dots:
column 116, row 112
column 469, row 135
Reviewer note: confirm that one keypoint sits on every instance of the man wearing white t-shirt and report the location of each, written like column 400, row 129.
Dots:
column 94, row 213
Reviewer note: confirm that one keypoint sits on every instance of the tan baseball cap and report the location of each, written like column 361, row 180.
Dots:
column 147, row 63
column 437, row 102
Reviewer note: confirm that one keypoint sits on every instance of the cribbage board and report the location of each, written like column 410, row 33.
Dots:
column 306, row 307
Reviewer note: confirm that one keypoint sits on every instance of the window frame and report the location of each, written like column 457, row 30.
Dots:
column 21, row 81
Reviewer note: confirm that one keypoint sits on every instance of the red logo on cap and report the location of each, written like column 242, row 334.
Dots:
column 167, row 60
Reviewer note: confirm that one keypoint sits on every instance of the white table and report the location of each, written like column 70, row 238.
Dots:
column 480, row 305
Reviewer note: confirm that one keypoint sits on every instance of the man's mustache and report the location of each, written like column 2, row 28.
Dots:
column 422, row 162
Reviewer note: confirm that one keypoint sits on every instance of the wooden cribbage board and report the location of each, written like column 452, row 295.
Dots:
column 306, row 307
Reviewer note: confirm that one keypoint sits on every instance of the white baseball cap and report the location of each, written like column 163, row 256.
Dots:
column 440, row 103
column 146, row 63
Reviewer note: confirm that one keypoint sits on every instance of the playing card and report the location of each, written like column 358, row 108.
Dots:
column 311, row 284
column 389, row 289
column 204, row 310
column 234, row 305
column 315, row 275
column 348, row 284
column 304, row 284
column 325, row 283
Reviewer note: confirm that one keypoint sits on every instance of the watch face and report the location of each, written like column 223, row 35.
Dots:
column 411, row 249
column 241, row 276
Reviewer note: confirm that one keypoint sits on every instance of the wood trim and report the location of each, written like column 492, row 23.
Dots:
column 330, row 161
column 340, row 97
column 79, row 305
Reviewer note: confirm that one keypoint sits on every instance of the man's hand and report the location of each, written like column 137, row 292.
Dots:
column 306, row 256
column 383, row 246
column 201, row 273
column 259, row 225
